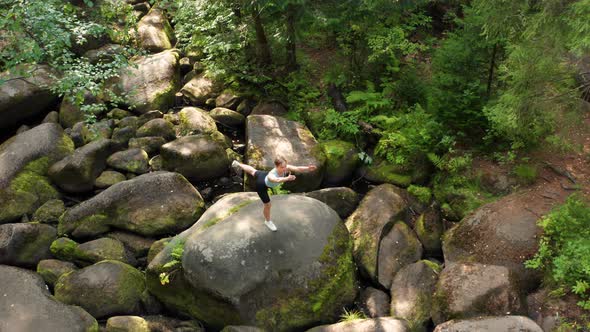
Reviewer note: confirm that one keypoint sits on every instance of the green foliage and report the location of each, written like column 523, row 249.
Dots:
column 423, row 194
column 53, row 32
column 537, row 78
column 339, row 125
column 526, row 173
column 460, row 69
column 564, row 248
column 350, row 315
column 174, row 264
column 408, row 137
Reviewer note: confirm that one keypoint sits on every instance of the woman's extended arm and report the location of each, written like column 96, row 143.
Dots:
column 275, row 179
column 298, row 169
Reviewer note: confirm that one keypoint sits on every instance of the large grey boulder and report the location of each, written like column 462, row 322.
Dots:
column 342, row 199
column 199, row 89
column 151, row 204
column 471, row 289
column 157, row 127
column 24, row 161
column 374, row 302
column 490, row 324
column 152, row 84
column 103, row 289
column 25, row 94
column 77, row 172
column 270, row 107
column 193, row 121
column 372, row 221
column 269, row 136
column 228, row 117
column 398, row 248
column 411, row 293
column 130, row 160
column 198, row 157
column 27, row 306
column 154, row 31
column 301, row 274
column 381, row 324
column 504, row 233
column 25, row 244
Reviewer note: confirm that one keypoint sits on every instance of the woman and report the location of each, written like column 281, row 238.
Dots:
column 271, row 179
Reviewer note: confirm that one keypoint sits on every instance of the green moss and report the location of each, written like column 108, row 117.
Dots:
column 389, row 173
column 336, row 152
column 35, row 243
column 323, row 296
column 423, row 194
column 229, row 212
column 29, row 189
column 67, row 249
column 93, row 224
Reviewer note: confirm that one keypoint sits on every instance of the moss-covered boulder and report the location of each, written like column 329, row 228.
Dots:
column 91, row 252
column 193, row 121
column 131, row 160
column 297, row 276
column 151, row 145
column 127, row 324
column 138, row 245
column 52, row 117
column 199, row 89
column 490, row 323
column 128, row 121
column 381, row 171
column 79, row 134
column 157, row 127
column 24, row 161
column 371, row 221
column 49, row 212
column 374, row 302
column 121, row 136
column 343, row 200
column 269, row 136
column 103, row 289
column 382, row 324
column 501, row 233
column 27, row 306
column 51, row 269
column 411, row 293
column 198, row 157
column 471, row 289
column 242, row 328
column 77, row 172
column 151, row 83
column 398, row 248
column 109, row 178
column 228, row 117
column 150, row 204
column 429, row 229
column 341, row 161
column 270, row 107
column 25, row 244
column 228, row 99
column 154, row 31
column 99, row 130
column 24, row 98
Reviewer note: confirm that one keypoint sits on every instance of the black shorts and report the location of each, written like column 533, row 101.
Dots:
column 261, row 187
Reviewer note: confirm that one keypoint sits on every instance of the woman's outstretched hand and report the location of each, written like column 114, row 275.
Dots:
column 291, row 177
column 312, row 168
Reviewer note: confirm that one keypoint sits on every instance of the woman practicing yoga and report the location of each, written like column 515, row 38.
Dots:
column 264, row 180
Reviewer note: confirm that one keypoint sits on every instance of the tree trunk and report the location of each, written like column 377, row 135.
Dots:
column 262, row 47
column 291, row 46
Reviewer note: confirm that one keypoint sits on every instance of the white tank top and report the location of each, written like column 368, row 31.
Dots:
column 269, row 183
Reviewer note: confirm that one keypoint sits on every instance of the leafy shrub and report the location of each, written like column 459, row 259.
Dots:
column 423, row 194
column 526, row 173
column 564, row 248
